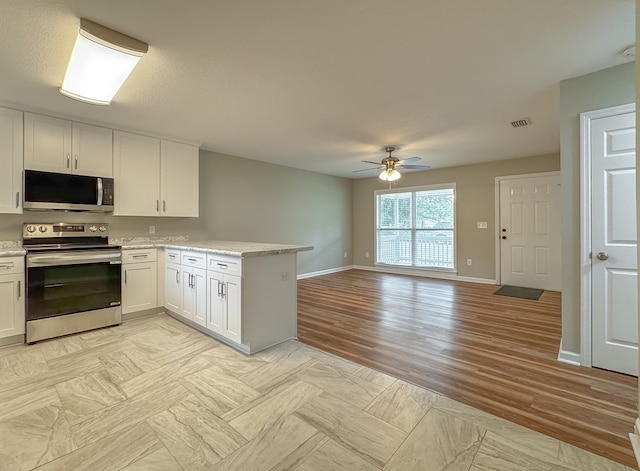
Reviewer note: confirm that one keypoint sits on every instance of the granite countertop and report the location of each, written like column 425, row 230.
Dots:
column 220, row 247
column 10, row 248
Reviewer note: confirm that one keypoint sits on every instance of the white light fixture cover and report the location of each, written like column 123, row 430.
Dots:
column 390, row 175
column 101, row 61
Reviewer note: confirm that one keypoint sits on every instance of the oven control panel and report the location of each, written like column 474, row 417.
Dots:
column 61, row 229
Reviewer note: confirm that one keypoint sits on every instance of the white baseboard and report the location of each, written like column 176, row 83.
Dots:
column 426, row 274
column 635, row 440
column 311, row 274
column 571, row 358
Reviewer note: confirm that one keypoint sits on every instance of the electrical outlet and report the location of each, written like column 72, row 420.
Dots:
column 482, row 224
column 152, row 229
column 284, row 276
column 366, row 254
column 345, row 255
column 469, row 262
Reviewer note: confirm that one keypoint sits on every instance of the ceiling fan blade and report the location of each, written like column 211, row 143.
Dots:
column 415, row 167
column 367, row 169
column 370, row 162
column 409, row 159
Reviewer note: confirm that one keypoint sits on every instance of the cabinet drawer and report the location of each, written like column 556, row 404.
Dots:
column 172, row 255
column 10, row 265
column 194, row 259
column 222, row 264
column 139, row 256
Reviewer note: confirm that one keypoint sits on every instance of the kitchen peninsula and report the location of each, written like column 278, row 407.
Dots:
column 242, row 293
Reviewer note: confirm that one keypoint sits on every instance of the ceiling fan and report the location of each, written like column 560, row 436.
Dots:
column 390, row 165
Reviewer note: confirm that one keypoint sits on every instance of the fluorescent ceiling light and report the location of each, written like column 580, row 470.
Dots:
column 101, row 61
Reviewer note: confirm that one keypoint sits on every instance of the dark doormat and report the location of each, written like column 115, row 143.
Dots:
column 519, row 292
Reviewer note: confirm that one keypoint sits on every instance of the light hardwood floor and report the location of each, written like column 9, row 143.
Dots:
column 495, row 353
column 154, row 394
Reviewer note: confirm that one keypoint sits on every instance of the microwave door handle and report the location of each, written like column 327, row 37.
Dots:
column 99, row 191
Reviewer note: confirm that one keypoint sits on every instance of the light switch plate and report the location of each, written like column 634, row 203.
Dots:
column 482, row 224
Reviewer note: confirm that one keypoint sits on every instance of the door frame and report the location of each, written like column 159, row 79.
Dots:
column 585, row 223
column 497, row 213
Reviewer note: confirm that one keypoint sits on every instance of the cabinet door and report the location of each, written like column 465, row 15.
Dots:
column 47, row 143
column 92, row 150
column 11, row 305
column 173, row 288
column 139, row 287
column 136, row 170
column 188, row 294
column 179, row 185
column 11, row 139
column 215, row 304
column 233, row 314
column 200, row 287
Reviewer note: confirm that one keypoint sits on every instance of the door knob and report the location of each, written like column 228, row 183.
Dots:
column 504, row 237
column 602, row 256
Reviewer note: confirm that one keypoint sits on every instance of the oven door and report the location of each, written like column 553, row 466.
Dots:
column 67, row 282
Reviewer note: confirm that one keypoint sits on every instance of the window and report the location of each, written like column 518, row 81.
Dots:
column 416, row 227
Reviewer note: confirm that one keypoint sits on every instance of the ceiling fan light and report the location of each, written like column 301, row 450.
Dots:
column 101, row 61
column 390, row 175
column 393, row 175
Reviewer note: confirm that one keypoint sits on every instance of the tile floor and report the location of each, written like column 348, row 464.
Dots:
column 153, row 394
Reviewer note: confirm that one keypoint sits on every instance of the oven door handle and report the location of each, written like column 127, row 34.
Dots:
column 67, row 258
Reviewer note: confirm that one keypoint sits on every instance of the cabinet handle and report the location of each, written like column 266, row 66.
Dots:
column 6, row 266
column 192, row 260
column 224, row 290
column 19, row 288
column 17, row 199
column 177, row 277
column 222, row 265
column 144, row 255
column 164, row 206
column 125, row 277
column 218, row 288
column 68, row 161
column 157, row 206
column 76, row 164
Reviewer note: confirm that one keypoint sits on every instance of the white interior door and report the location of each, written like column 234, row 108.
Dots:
column 614, row 291
column 530, row 232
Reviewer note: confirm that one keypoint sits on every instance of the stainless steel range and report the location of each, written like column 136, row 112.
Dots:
column 73, row 279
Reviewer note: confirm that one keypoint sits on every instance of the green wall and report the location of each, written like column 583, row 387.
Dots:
column 248, row 200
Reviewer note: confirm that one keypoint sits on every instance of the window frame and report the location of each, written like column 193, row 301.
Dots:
column 413, row 229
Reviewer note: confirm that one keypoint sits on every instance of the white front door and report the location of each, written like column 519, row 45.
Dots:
column 530, row 232
column 614, row 274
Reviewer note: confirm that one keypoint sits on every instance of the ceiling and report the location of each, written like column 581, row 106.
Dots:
column 321, row 85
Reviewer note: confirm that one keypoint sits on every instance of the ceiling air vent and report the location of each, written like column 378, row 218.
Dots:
column 521, row 122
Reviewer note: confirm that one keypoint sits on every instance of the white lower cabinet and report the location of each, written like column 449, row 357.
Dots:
column 173, row 288
column 11, row 296
column 249, row 303
column 194, row 295
column 224, row 307
column 139, row 280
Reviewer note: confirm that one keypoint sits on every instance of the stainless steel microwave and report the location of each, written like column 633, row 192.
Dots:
column 64, row 192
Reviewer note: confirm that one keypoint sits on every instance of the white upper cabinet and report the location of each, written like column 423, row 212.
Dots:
column 92, row 150
column 47, row 143
column 179, row 179
column 136, row 169
column 154, row 177
column 10, row 161
column 57, row 145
